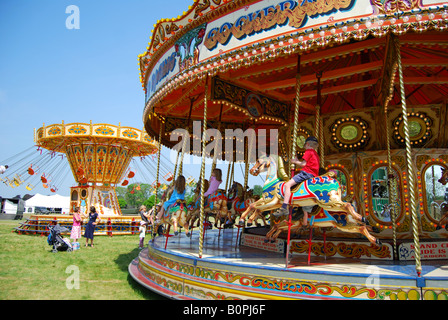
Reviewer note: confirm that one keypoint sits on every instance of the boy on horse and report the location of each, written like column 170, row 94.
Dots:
column 310, row 169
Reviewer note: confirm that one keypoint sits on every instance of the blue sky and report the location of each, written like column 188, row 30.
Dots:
column 49, row 73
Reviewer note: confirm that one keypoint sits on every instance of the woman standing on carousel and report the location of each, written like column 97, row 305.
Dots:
column 90, row 227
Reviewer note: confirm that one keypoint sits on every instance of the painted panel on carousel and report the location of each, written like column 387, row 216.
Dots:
column 257, row 241
column 342, row 249
column 268, row 19
column 166, row 67
column 428, row 251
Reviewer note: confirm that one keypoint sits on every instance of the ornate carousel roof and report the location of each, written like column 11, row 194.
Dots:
column 342, row 53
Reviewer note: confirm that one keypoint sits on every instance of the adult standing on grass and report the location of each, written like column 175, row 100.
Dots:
column 90, row 227
column 76, row 227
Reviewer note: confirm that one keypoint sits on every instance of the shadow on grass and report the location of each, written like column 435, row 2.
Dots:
column 123, row 261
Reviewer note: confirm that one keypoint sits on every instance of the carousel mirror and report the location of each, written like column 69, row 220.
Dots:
column 74, row 195
column 380, row 195
column 342, row 179
column 435, row 192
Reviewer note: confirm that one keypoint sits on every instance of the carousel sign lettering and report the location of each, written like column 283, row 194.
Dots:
column 162, row 71
column 294, row 12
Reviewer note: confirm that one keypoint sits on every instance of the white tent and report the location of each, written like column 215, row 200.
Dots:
column 10, row 207
column 55, row 201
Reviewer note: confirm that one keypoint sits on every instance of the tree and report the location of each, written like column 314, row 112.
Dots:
column 258, row 190
column 122, row 203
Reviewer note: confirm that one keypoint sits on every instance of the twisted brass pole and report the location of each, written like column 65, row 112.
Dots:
column 184, row 146
column 204, row 137
column 392, row 186
column 296, row 116
column 411, row 180
column 175, row 166
column 158, row 161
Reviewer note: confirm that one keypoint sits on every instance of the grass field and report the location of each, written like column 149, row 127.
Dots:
column 29, row 270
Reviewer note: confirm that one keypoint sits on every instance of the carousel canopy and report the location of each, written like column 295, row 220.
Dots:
column 259, row 57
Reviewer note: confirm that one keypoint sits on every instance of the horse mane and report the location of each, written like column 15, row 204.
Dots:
column 239, row 189
column 281, row 172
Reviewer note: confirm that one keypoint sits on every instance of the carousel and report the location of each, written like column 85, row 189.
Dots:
column 99, row 156
column 250, row 81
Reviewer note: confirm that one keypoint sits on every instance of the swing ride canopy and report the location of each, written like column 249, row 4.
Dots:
column 258, row 58
column 97, row 153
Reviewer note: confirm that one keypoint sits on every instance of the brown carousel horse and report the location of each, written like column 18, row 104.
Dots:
column 323, row 191
column 195, row 206
column 215, row 204
column 239, row 203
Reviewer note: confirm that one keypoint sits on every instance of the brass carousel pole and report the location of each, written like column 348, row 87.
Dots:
column 175, row 166
column 392, row 187
column 204, row 137
column 411, row 180
column 293, row 150
column 184, row 146
column 186, row 139
column 217, row 143
column 228, row 176
column 319, row 133
column 296, row 115
column 158, row 160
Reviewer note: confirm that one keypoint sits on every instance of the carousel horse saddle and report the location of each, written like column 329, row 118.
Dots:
column 179, row 202
column 317, row 187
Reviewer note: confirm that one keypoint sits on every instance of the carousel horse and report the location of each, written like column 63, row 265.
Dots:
column 195, row 206
column 282, row 225
column 444, row 206
column 444, row 178
column 237, row 205
column 323, row 191
column 444, row 213
column 176, row 214
column 215, row 204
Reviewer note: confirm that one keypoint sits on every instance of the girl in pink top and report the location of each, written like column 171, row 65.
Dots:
column 76, row 228
column 215, row 181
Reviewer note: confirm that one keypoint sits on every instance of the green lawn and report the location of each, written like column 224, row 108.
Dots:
column 29, row 270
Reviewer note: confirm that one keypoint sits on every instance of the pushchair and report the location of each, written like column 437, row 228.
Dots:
column 57, row 241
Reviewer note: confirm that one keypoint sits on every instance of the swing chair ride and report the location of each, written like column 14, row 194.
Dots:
column 101, row 157
column 369, row 80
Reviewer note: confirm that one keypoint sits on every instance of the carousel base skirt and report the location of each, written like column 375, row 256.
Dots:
column 229, row 270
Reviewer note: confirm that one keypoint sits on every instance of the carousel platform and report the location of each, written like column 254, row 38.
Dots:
column 229, row 270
